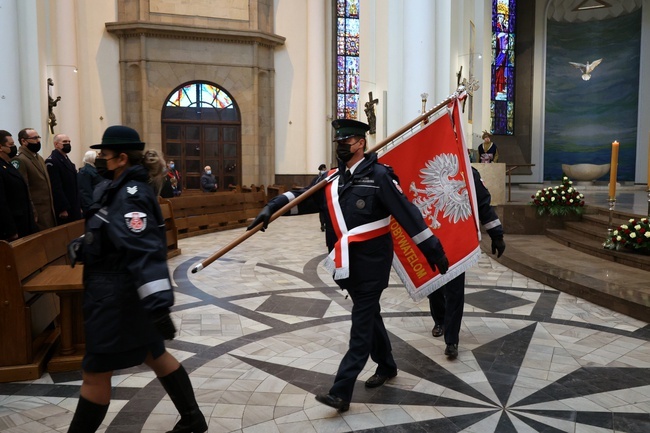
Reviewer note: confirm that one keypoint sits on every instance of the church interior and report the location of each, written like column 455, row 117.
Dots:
column 555, row 335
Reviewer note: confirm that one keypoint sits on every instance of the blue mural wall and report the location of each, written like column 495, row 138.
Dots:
column 584, row 117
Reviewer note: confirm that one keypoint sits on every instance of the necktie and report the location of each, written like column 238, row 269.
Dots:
column 346, row 176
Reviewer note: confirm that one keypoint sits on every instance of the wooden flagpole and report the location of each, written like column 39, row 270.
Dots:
column 305, row 195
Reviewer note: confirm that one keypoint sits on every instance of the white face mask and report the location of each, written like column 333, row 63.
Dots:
column 322, row 172
column 208, row 171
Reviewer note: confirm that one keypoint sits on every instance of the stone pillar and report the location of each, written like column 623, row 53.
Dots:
column 419, row 48
column 317, row 133
column 444, row 38
column 63, row 71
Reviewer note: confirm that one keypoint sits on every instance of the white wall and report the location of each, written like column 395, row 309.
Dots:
column 98, row 56
column 292, row 137
column 34, row 43
column 11, row 101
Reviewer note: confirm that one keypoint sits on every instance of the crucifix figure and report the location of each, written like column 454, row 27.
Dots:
column 370, row 113
column 51, row 103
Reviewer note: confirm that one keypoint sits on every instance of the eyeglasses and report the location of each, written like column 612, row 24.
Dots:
column 38, row 137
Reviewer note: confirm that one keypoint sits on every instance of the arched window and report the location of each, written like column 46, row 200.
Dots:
column 200, row 101
column 347, row 59
column 502, row 99
column 201, row 127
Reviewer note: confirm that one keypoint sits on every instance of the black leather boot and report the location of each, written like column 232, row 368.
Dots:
column 179, row 388
column 87, row 417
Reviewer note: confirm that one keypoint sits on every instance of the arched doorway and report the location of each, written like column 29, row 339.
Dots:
column 201, row 125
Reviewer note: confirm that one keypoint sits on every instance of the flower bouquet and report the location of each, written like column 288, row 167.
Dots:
column 559, row 200
column 635, row 235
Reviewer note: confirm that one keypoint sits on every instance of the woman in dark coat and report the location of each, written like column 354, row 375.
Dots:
column 128, row 292
column 87, row 179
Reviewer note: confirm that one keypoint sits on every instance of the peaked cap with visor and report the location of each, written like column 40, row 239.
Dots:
column 346, row 128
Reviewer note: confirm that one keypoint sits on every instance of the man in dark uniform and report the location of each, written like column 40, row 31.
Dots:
column 63, row 178
column 359, row 205
column 446, row 304
column 16, row 209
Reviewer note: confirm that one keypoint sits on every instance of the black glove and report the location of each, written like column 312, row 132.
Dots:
column 163, row 324
column 75, row 250
column 263, row 217
column 442, row 264
column 498, row 245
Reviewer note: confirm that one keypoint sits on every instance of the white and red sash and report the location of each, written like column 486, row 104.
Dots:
column 338, row 260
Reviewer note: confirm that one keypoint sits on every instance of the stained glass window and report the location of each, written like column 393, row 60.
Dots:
column 502, row 99
column 200, row 101
column 347, row 58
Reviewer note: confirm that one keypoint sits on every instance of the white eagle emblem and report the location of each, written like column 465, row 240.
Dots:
column 136, row 221
column 443, row 192
column 132, row 189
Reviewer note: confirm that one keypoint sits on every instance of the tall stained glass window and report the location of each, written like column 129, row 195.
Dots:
column 347, row 58
column 502, row 100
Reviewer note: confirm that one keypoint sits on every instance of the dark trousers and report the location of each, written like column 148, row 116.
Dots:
column 446, row 305
column 368, row 337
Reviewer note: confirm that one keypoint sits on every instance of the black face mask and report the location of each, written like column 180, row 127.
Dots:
column 343, row 152
column 67, row 148
column 34, row 147
column 102, row 169
column 13, row 150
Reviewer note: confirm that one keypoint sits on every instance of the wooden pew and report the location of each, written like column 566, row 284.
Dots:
column 170, row 227
column 24, row 343
column 274, row 191
column 196, row 215
column 35, row 269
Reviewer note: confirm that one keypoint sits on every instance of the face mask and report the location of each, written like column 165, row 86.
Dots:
column 108, row 174
column 34, row 147
column 208, row 171
column 322, row 172
column 102, row 168
column 171, row 165
column 13, row 150
column 67, row 148
column 343, row 152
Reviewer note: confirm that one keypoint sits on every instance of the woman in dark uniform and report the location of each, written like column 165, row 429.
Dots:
column 127, row 288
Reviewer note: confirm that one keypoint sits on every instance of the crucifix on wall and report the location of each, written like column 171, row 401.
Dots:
column 370, row 113
column 51, row 103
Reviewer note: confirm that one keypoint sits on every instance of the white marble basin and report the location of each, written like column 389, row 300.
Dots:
column 585, row 172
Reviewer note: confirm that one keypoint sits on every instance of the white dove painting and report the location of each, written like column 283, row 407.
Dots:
column 587, row 68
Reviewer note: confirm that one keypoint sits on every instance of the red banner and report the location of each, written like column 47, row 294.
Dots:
column 435, row 173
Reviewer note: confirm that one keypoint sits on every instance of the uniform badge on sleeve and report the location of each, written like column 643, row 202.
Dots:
column 136, row 221
column 16, row 164
column 399, row 188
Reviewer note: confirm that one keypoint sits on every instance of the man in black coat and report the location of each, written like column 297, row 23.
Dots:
column 16, row 209
column 446, row 303
column 361, row 202
column 63, row 177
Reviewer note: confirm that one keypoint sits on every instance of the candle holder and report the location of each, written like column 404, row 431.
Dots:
column 612, row 203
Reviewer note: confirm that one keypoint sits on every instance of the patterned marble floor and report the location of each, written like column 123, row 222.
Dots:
column 263, row 329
